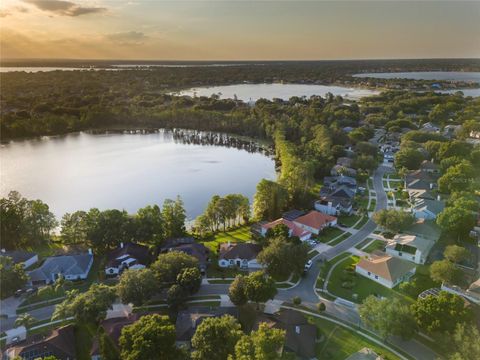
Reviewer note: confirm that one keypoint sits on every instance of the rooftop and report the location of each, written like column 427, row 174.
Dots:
column 385, row 266
column 315, row 219
column 65, row 264
column 247, row 251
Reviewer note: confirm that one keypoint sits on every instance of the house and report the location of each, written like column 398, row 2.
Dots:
column 71, row 267
column 188, row 320
column 420, row 194
column 127, row 256
column 345, row 161
column 300, row 335
column 25, row 258
column 292, row 214
column 334, row 182
column 429, row 166
column 420, row 180
column 189, row 246
column 59, row 343
column 337, row 201
column 385, row 269
column 113, row 329
column 410, row 247
column 472, row 293
column 315, row 221
column 365, row 354
column 294, row 229
column 426, row 229
column 450, row 131
column 427, row 209
column 342, row 170
column 243, row 255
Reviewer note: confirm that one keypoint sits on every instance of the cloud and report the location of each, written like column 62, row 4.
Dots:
column 12, row 10
column 64, row 8
column 127, row 38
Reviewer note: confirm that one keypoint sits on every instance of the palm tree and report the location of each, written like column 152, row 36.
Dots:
column 26, row 320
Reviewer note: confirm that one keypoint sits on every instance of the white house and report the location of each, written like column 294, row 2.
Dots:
column 426, row 208
column 71, row 267
column 242, row 255
column 127, row 256
column 472, row 293
column 25, row 258
column 410, row 247
column 315, row 221
column 385, row 269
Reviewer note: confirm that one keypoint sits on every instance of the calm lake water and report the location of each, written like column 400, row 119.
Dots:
column 253, row 92
column 426, row 75
column 130, row 171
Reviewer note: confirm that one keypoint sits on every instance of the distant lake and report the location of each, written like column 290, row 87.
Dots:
column 426, row 75
column 35, row 69
column 128, row 171
column 253, row 92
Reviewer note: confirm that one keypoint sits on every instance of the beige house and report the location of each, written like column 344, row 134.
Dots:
column 385, row 269
column 410, row 247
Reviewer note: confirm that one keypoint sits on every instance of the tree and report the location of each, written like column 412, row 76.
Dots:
column 270, row 200
column 136, row 286
column 260, row 287
column 263, row 344
column 169, row 265
column 176, row 296
column 440, row 314
column 280, row 230
column 466, row 344
column 321, row 307
column 215, row 338
column 457, row 178
column 387, row 317
column 107, row 229
column 236, row 291
column 190, row 279
column 90, row 306
column 173, row 214
column 409, row 158
column 455, row 253
column 393, row 220
column 443, row 271
column 151, row 337
column 149, row 225
column 12, row 276
column 456, row 220
column 74, row 227
column 281, row 258
column 25, row 319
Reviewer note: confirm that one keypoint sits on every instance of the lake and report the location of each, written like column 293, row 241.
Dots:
column 253, row 92
column 129, row 171
column 426, row 75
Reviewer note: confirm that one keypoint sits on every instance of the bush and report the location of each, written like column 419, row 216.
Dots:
column 297, row 300
column 321, row 307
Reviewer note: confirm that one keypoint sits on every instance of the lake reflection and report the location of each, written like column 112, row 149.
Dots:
column 80, row 171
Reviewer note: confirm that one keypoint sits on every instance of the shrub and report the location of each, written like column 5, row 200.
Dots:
column 297, row 300
column 321, row 307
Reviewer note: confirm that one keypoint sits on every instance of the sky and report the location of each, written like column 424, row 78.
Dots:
column 238, row 30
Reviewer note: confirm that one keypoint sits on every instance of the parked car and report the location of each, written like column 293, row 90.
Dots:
column 19, row 292
column 308, row 265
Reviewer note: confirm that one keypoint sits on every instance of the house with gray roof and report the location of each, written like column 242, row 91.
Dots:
column 243, row 255
column 427, row 209
column 25, row 258
column 71, row 267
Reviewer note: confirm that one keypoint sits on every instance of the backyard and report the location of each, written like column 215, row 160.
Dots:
column 328, row 234
column 242, row 234
column 375, row 245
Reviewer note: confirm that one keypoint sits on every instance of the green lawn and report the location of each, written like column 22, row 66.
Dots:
column 385, row 184
column 326, row 267
column 349, row 220
column 373, row 203
column 396, row 184
column 312, row 253
column 361, row 202
column 339, row 343
column 375, row 245
column 242, row 234
column 340, row 239
column 362, row 222
column 215, row 271
column 45, row 249
column 346, row 283
column 329, row 233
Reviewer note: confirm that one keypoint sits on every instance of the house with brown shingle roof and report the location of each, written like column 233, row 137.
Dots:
column 294, row 229
column 315, row 221
column 243, row 255
column 385, row 269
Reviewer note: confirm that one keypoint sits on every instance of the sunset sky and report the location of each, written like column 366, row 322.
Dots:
column 238, row 30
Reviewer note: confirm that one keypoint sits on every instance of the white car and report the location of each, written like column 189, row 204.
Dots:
column 308, row 265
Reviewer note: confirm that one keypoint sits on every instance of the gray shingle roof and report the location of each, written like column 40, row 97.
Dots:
column 66, row 265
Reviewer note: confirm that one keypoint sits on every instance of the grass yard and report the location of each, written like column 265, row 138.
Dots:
column 326, row 267
column 346, row 283
column 312, row 254
column 329, row 233
column 348, row 220
column 373, row 203
column 362, row 222
column 339, row 343
column 385, row 184
column 315, row 190
column 370, row 183
column 340, row 239
column 361, row 202
column 396, row 184
column 215, row 271
column 375, row 245
column 242, row 234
